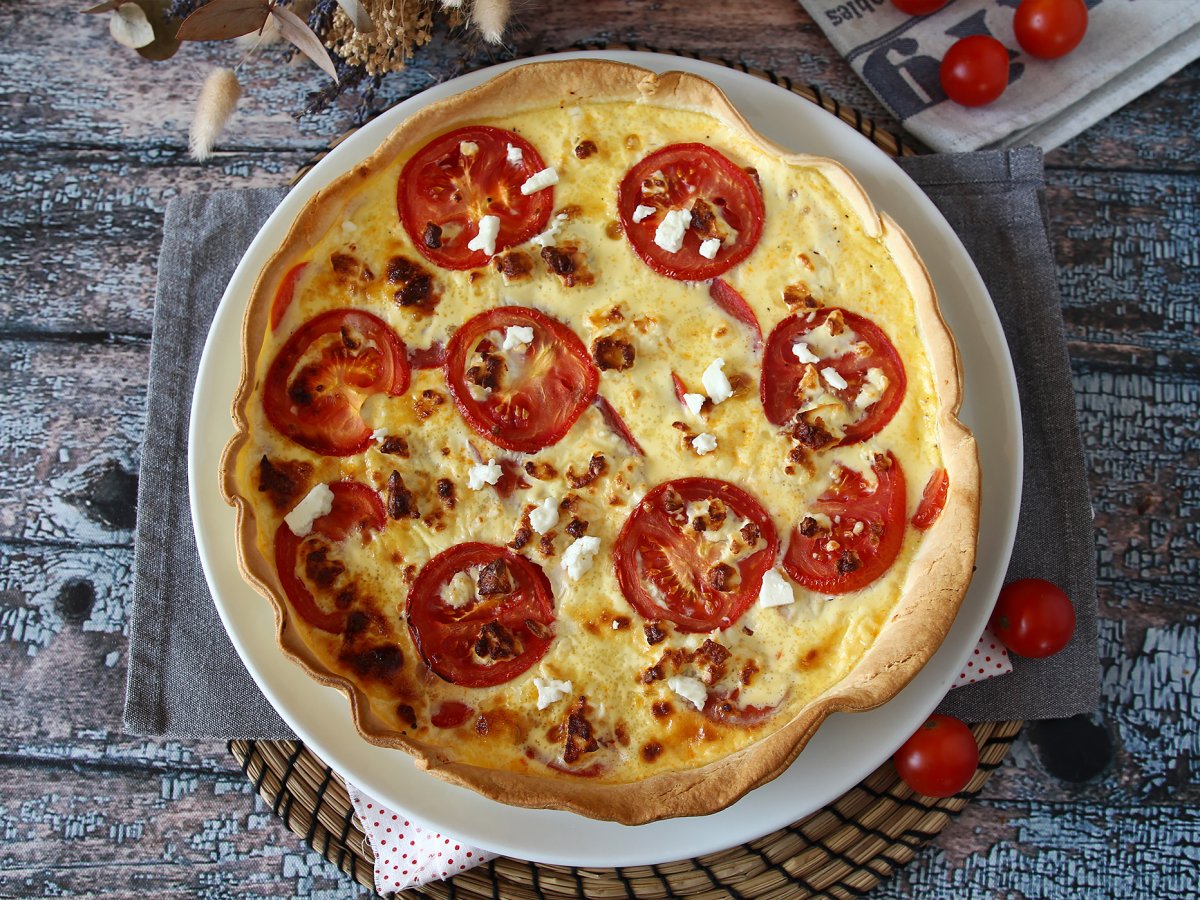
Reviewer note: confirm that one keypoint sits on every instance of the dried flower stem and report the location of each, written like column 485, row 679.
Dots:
column 490, row 16
column 218, row 99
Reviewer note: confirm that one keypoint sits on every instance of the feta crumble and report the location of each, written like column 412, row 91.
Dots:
column 833, row 378
column 480, row 475
column 694, row 402
column 704, row 443
column 874, row 386
column 577, row 558
column 715, row 383
column 517, row 336
column 485, row 240
column 803, row 353
column 641, row 212
column 316, row 503
column 671, row 229
column 550, row 690
column 514, row 154
column 775, row 590
column 545, row 516
column 709, row 248
column 690, row 689
column 379, row 435
column 539, row 180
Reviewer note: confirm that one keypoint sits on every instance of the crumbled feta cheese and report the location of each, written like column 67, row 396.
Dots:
column 550, row 690
column 547, row 236
column 459, row 591
column 485, row 240
column 704, row 443
column 715, row 383
column 545, row 516
column 478, row 476
column 517, row 336
column 709, row 248
column 577, row 558
column 616, row 625
column 833, row 378
column 690, row 689
column 775, row 590
column 693, row 402
column 803, row 353
column 539, row 180
column 379, row 434
column 514, row 154
column 671, row 229
column 316, row 503
column 468, row 148
column 874, row 386
column 642, row 211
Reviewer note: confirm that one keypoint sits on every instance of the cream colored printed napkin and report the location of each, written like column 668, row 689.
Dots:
column 1130, row 46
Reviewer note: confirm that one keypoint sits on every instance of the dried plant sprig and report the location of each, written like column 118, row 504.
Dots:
column 402, row 26
column 491, row 17
column 218, row 99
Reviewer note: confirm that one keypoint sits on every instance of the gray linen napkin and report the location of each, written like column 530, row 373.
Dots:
column 185, row 679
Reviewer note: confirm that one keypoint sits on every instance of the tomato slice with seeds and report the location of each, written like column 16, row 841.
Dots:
column 443, row 187
column 325, row 372
column 321, row 377
column 864, row 534
column 525, row 398
column 357, row 513
column 722, row 199
column 285, row 293
column 669, row 569
column 933, row 499
column 490, row 631
column 857, row 349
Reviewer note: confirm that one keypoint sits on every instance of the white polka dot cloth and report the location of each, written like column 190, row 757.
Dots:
column 408, row 855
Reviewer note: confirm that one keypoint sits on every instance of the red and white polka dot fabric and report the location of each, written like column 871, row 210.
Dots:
column 408, row 855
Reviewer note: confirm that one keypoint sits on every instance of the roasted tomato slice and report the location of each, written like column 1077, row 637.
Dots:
column 285, row 293
column 858, row 399
column 673, row 554
column 480, row 615
column 529, row 396
column 726, row 709
column 444, row 192
column 933, row 499
column 721, row 201
column 319, row 380
column 855, row 532
column 313, row 562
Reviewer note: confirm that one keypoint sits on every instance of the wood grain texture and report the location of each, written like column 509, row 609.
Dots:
column 92, row 146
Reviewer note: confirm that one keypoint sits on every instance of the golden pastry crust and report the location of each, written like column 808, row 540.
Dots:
column 938, row 573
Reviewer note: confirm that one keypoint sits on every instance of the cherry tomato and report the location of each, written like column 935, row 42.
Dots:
column 919, row 7
column 722, row 199
column 858, row 347
column 321, row 377
column 490, row 632
column 864, row 535
column 313, row 561
column 939, row 760
column 975, row 70
column 284, row 294
column 933, row 499
column 526, row 398
column 668, row 568
column 1033, row 618
column 1049, row 29
column 452, row 190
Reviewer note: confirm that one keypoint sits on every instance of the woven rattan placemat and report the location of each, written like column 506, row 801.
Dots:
column 843, row 850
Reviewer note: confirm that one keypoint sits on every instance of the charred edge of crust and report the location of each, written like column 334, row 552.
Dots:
column 942, row 564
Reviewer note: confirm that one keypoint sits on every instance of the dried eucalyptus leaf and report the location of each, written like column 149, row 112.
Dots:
column 296, row 31
column 165, row 44
column 358, row 15
column 219, row 20
column 129, row 26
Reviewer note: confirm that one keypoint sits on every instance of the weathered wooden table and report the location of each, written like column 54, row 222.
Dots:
column 92, row 145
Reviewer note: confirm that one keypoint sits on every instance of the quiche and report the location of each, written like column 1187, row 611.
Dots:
column 598, row 448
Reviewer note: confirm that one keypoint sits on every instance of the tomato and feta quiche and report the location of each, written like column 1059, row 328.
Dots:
column 598, row 448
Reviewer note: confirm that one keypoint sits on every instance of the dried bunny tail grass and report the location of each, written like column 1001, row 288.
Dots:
column 490, row 17
column 218, row 99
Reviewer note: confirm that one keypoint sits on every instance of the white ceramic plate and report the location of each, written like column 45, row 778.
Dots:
column 847, row 747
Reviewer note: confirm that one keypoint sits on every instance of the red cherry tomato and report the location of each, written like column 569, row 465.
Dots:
column 933, row 500
column 865, row 533
column 526, row 398
column 486, row 635
column 975, row 70
column 313, row 562
column 1033, row 618
column 325, row 372
column 919, row 7
column 284, row 294
column 1049, row 29
column 453, row 191
column 722, row 199
column 939, row 760
column 859, row 347
column 665, row 566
